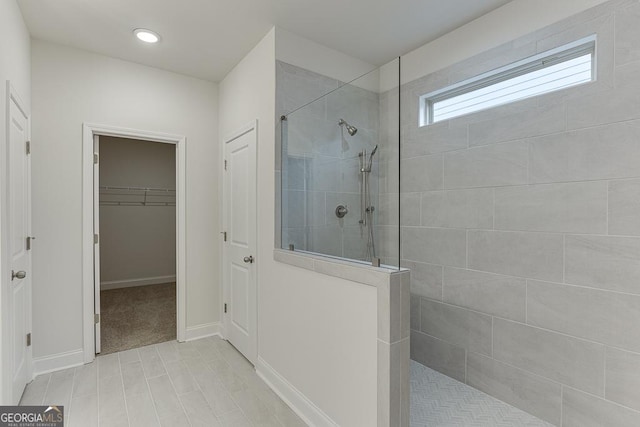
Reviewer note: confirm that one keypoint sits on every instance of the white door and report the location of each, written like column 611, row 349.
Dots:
column 240, row 247
column 19, row 228
column 96, row 240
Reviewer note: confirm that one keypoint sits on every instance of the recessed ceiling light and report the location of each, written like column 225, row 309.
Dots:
column 146, row 36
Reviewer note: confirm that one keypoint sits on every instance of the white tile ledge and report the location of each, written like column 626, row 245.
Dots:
column 344, row 269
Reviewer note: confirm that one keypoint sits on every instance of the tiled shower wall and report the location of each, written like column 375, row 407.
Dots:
column 521, row 226
column 320, row 169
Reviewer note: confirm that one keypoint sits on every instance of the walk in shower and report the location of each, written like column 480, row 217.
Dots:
column 340, row 170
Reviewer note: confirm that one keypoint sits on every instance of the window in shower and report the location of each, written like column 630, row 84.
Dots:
column 560, row 68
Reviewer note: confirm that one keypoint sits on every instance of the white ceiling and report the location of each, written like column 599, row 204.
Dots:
column 207, row 38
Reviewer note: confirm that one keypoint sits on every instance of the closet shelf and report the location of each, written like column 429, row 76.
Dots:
column 136, row 196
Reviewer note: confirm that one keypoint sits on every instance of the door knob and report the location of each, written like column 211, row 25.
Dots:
column 248, row 259
column 20, row 274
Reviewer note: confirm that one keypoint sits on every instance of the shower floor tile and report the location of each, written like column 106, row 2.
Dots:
column 438, row 401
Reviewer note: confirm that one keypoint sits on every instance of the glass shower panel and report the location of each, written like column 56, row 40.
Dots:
column 340, row 172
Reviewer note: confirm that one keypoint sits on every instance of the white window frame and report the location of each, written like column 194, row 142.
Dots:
column 581, row 47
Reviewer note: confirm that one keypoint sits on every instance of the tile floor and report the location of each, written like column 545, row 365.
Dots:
column 198, row 383
column 439, row 401
column 208, row 383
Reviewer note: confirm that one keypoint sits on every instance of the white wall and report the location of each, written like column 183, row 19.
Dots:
column 71, row 87
column 315, row 331
column 137, row 243
column 15, row 65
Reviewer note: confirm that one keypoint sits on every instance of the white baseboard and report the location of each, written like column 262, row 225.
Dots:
column 202, row 331
column 299, row 403
column 57, row 362
column 130, row 283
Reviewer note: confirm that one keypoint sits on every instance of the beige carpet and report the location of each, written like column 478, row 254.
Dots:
column 135, row 317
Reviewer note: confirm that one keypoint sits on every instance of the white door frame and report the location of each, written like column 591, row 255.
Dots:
column 88, row 132
column 252, row 126
column 6, row 331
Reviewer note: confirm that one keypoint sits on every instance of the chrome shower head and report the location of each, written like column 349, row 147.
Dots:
column 371, row 156
column 351, row 129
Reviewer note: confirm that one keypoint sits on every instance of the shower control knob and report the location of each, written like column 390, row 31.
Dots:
column 341, row 211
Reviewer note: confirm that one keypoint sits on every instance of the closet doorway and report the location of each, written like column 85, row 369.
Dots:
column 133, row 238
column 136, row 251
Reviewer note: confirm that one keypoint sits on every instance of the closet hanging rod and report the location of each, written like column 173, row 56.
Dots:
column 109, row 187
column 137, row 204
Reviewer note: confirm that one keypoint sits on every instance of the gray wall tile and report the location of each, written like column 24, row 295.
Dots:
column 623, row 377
column 529, row 392
column 422, row 173
column 296, row 202
column 354, row 242
column 571, row 361
column 439, row 355
column 316, row 208
column 426, row 279
column 627, row 35
column 458, row 326
column 624, row 207
column 535, row 255
column 523, row 124
column 596, row 315
column 388, row 243
column 436, row 138
column 303, row 86
column 574, row 207
column 387, row 209
column 434, row 245
column 583, row 410
column 325, row 240
column 389, row 177
column 604, row 262
column 619, row 105
column 493, row 165
column 626, row 75
column 458, row 208
column 501, row 296
column 415, row 313
column 604, row 152
column 325, row 174
column 410, row 209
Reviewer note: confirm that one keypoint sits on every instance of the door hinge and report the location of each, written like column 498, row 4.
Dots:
column 96, row 239
column 95, row 158
column 29, row 339
column 29, row 243
column 96, row 318
column 225, row 165
column 225, row 307
column 224, row 235
column 28, row 147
